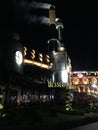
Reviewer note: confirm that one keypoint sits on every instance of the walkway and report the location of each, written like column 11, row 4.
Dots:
column 93, row 126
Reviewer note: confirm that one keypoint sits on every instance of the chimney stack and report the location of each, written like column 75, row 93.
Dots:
column 52, row 15
column 53, row 41
column 59, row 27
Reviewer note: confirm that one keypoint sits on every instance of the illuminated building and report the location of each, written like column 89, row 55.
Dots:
column 85, row 82
column 52, row 74
column 58, row 61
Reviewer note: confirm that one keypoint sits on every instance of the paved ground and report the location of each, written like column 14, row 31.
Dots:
column 93, row 126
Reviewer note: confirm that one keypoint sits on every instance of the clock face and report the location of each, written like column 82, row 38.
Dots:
column 18, row 57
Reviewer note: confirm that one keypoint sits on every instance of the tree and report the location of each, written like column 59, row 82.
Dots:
column 68, row 100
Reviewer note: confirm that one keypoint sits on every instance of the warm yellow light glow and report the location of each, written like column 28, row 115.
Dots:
column 41, row 57
column 47, row 58
column 42, row 65
column 1, row 96
column 25, row 51
column 84, row 89
column 88, row 90
column 94, row 80
column 75, row 81
column 79, row 90
column 52, row 16
column 1, row 106
column 69, row 69
column 85, row 80
column 61, row 48
column 33, row 54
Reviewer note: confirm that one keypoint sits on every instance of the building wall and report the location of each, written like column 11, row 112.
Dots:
column 85, row 81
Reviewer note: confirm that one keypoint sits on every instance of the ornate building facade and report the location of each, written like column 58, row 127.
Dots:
column 85, row 82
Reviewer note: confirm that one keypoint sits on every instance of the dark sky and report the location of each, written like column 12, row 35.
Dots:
column 80, row 35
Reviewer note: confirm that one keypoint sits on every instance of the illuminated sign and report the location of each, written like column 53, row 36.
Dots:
column 56, row 84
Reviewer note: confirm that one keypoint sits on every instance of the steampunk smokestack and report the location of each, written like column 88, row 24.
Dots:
column 53, row 41
column 59, row 76
column 58, row 57
column 59, row 27
column 52, row 15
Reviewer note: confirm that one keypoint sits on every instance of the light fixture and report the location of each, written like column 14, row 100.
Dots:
column 64, row 76
column 18, row 57
column 61, row 48
column 80, row 75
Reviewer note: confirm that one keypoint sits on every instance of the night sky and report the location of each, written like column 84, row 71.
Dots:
column 30, row 20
